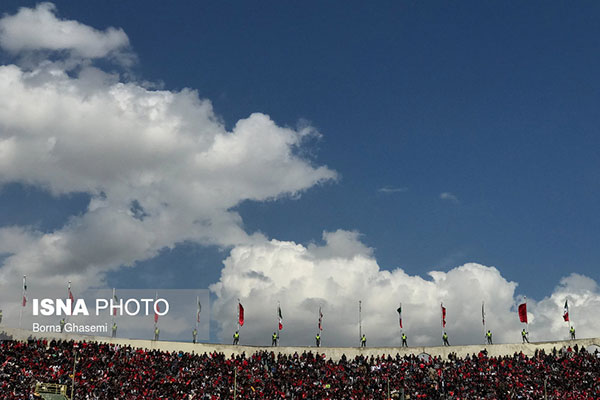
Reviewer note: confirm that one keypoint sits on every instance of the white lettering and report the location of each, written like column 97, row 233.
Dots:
column 146, row 302
column 47, row 307
column 116, row 307
column 101, row 304
column 157, row 308
column 137, row 304
column 80, row 308
column 63, row 307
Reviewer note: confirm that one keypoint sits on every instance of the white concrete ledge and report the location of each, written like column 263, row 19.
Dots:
column 334, row 353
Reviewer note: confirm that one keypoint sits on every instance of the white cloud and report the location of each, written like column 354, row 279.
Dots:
column 390, row 189
column 39, row 29
column 336, row 277
column 449, row 196
column 159, row 165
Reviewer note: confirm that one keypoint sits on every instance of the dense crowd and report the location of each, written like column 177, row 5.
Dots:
column 107, row 371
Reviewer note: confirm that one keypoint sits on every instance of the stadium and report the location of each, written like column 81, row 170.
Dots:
column 47, row 367
column 425, row 171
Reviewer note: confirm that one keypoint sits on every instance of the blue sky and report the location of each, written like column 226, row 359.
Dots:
column 462, row 132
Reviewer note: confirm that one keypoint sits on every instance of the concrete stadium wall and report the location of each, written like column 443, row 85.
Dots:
column 334, row 353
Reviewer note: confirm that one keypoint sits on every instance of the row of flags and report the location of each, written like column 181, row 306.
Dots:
column 521, row 310
column 279, row 317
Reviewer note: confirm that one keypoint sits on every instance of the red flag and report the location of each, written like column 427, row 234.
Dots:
column 443, row 315
column 240, row 314
column 566, row 311
column 523, row 312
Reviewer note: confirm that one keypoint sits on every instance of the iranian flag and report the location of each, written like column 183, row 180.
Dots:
column 400, row 315
column 280, row 318
column 566, row 311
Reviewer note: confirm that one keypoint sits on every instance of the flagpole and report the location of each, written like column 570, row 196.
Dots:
column 320, row 324
column 359, row 320
column 69, row 298
column 155, row 314
column 401, row 328
column 113, row 311
column 483, row 320
column 238, row 315
column 442, row 322
column 277, row 315
column 197, row 311
column 526, row 320
column 568, row 317
column 22, row 298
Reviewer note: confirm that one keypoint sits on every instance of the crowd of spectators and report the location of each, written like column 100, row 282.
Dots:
column 108, row 371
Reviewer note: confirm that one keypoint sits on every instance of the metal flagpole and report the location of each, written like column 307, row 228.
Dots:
column 69, row 298
column 401, row 328
column 277, row 317
column 113, row 311
column 197, row 311
column 320, row 324
column 442, row 322
column 526, row 320
column 483, row 321
column 155, row 315
column 359, row 320
column 22, row 298
column 569, row 320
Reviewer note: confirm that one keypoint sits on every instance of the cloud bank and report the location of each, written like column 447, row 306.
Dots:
column 342, row 271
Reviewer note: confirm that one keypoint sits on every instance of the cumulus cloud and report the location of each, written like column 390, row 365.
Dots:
column 39, row 29
column 159, row 165
column 336, row 277
column 449, row 197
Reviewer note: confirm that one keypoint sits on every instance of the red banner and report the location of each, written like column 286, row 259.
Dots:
column 523, row 312
column 443, row 316
column 241, row 314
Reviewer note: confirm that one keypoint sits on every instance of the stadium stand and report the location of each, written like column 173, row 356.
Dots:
column 111, row 371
